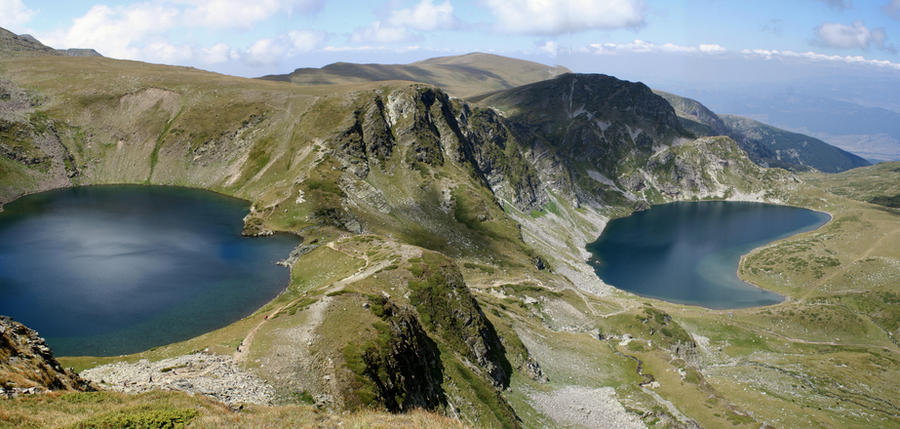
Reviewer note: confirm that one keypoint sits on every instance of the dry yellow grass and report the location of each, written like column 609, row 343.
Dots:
column 96, row 408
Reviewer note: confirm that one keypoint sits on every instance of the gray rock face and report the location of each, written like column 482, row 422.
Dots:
column 435, row 129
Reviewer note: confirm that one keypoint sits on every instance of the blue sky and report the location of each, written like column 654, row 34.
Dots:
column 252, row 38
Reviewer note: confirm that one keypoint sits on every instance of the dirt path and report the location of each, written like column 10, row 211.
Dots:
column 241, row 353
column 365, row 271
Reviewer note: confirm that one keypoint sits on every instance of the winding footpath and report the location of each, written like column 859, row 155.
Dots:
column 366, row 270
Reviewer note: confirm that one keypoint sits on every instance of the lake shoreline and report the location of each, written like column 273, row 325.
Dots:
column 606, row 266
column 208, row 218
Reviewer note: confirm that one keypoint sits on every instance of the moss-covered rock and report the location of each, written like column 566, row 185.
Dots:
column 400, row 369
column 446, row 308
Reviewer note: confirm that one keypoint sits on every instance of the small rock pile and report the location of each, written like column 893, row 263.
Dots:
column 585, row 407
column 215, row 376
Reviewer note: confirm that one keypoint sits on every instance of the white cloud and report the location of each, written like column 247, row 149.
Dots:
column 371, row 48
column 219, row 53
column 565, row 16
column 814, row 56
column 711, row 48
column 272, row 50
column 243, row 13
column 424, row 16
column 836, row 35
column 549, row 47
column 306, row 40
column 380, row 33
column 167, row 53
column 640, row 47
column 15, row 14
column 266, row 51
column 120, row 32
column 140, row 31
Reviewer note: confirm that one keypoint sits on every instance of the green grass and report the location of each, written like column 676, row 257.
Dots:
column 141, row 418
column 161, row 409
column 160, row 140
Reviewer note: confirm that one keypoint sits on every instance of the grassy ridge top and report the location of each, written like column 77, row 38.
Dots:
column 461, row 76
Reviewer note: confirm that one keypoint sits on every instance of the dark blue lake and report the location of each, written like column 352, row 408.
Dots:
column 688, row 252
column 105, row 270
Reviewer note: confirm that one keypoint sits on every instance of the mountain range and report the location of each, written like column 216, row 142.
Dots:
column 444, row 207
column 460, row 76
column 766, row 145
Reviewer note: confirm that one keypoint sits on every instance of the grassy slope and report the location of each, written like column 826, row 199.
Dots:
column 172, row 409
column 759, row 365
column 461, row 76
column 876, row 184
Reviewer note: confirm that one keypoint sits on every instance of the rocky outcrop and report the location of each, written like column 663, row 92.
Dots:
column 430, row 128
column 588, row 123
column 447, row 309
column 27, row 364
column 402, row 364
column 14, row 45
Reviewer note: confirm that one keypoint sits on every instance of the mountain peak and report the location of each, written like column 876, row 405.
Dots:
column 598, row 96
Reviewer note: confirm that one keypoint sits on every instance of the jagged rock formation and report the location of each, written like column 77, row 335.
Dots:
column 443, row 301
column 27, row 364
column 613, row 140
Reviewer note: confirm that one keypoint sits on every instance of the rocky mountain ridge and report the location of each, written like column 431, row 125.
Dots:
column 767, row 145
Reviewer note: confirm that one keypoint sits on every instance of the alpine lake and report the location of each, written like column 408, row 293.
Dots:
column 688, row 252
column 108, row 270
column 117, row 269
